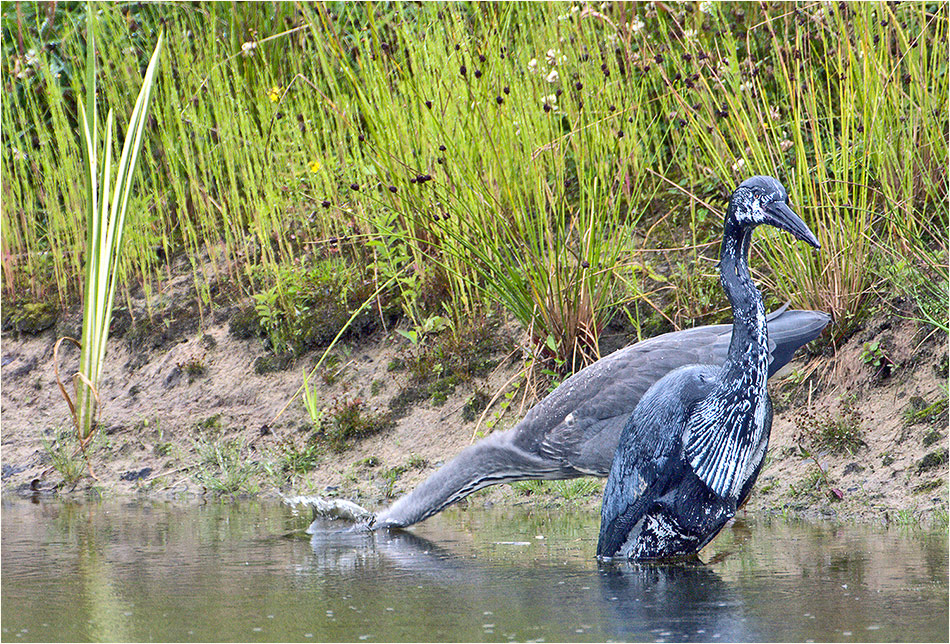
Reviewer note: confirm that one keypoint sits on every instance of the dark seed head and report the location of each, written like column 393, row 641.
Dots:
column 547, row 108
column 441, row 148
column 362, row 138
column 658, row 58
column 611, row 108
column 429, row 104
column 558, row 92
column 413, row 180
column 481, row 58
column 325, row 203
column 354, row 186
column 578, row 86
column 478, row 73
column 499, row 100
column 506, row 90
column 392, row 189
column 463, row 70
column 620, row 134
column 585, row 264
column 456, row 47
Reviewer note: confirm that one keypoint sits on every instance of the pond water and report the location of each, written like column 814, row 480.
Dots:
column 246, row 572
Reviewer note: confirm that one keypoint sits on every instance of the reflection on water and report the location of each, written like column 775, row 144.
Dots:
column 161, row 571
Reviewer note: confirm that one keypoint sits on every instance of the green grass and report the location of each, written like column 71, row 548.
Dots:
column 224, row 467
column 286, row 136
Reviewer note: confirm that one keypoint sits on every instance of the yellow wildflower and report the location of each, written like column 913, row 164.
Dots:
column 314, row 166
column 274, row 94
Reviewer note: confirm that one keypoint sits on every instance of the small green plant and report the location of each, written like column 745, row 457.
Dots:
column 906, row 519
column 193, row 366
column 224, row 468
column 65, row 455
column 872, row 354
column 475, row 405
column 348, row 420
column 311, row 402
column 575, row 489
column 941, row 518
column 530, row 487
column 416, row 462
column 918, row 411
column 836, row 434
column 293, row 459
column 432, row 324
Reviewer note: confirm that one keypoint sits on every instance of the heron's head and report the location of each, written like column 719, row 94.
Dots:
column 764, row 200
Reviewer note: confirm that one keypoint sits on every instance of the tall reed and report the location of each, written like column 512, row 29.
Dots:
column 106, row 208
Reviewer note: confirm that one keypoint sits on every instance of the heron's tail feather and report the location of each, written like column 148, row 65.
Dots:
column 791, row 329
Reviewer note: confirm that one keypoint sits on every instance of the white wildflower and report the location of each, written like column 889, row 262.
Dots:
column 533, row 65
column 554, row 57
column 738, row 165
column 774, row 113
column 31, row 58
column 552, row 76
column 689, row 35
column 612, row 38
column 636, row 25
column 551, row 99
column 604, row 6
column 705, row 7
column 248, row 48
column 575, row 9
column 785, row 144
column 745, row 87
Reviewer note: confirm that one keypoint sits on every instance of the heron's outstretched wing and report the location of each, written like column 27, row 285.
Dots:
column 580, row 421
column 574, row 430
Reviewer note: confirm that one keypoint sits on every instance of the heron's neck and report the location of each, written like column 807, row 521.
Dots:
column 749, row 346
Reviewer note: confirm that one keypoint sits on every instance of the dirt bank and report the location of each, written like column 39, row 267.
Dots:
column 859, row 432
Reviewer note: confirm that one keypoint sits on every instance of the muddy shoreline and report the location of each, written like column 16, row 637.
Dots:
column 850, row 440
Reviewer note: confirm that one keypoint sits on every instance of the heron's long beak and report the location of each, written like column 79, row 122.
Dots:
column 783, row 217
